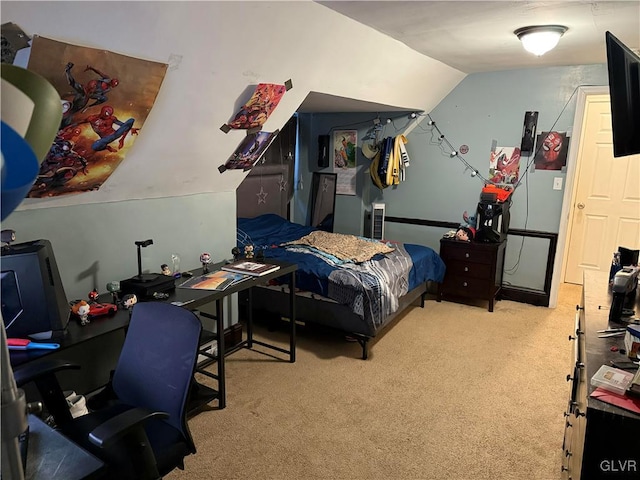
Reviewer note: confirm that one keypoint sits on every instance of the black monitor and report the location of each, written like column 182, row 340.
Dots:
column 624, row 90
column 32, row 296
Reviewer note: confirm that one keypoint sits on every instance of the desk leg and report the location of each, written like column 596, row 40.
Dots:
column 292, row 317
column 222, row 391
column 250, row 318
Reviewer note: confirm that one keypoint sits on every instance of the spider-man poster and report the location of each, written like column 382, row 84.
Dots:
column 256, row 111
column 106, row 98
column 551, row 151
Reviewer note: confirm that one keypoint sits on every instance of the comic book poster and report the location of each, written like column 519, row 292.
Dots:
column 504, row 165
column 344, row 160
column 551, row 151
column 106, row 98
column 262, row 103
column 250, row 150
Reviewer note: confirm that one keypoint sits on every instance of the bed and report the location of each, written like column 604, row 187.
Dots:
column 352, row 284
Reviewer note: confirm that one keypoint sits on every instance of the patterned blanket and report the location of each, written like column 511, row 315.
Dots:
column 343, row 247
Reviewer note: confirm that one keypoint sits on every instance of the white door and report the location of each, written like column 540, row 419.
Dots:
column 606, row 209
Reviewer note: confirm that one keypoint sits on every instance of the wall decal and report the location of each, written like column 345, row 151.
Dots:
column 106, row 98
column 344, row 160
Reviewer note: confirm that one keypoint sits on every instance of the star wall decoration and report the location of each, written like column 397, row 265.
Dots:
column 325, row 185
column 262, row 196
column 283, row 184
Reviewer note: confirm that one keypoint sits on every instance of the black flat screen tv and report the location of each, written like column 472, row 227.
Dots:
column 33, row 299
column 623, row 66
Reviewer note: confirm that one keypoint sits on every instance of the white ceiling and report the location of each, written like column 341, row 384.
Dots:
column 477, row 36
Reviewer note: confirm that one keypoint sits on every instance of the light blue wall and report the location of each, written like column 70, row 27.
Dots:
column 94, row 244
column 484, row 107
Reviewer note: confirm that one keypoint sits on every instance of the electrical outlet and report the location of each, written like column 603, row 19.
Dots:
column 557, row 183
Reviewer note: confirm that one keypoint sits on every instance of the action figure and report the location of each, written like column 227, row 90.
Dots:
column 129, row 300
column 248, row 251
column 165, row 269
column 93, row 295
column 205, row 260
column 81, row 309
column 465, row 234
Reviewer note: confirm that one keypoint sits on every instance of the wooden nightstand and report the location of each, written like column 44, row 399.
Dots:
column 474, row 269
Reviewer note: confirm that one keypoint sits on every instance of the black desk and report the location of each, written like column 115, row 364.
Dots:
column 197, row 298
column 52, row 456
column 101, row 340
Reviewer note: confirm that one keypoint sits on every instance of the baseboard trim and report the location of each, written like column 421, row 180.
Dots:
column 539, row 298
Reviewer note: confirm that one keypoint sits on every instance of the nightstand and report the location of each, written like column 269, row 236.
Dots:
column 474, row 269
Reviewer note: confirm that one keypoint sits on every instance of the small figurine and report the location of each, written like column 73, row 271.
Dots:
column 465, row 234
column 81, row 309
column 235, row 251
column 114, row 288
column 129, row 300
column 260, row 255
column 175, row 260
column 93, row 295
column 165, row 269
column 205, row 260
column 248, row 251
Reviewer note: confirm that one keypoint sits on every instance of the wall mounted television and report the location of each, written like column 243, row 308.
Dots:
column 33, row 299
column 623, row 67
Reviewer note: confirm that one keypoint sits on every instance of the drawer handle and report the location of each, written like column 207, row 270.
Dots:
column 578, row 413
column 569, row 377
column 466, row 254
column 466, row 269
column 464, row 284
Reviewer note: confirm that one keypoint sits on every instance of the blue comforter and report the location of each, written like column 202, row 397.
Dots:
column 318, row 275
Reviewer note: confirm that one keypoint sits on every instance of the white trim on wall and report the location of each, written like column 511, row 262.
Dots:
column 571, row 181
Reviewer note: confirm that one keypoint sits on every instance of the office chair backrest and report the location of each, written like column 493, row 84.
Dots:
column 158, row 359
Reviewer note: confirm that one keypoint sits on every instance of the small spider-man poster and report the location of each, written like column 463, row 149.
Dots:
column 551, row 151
column 255, row 112
column 504, row 165
column 106, row 98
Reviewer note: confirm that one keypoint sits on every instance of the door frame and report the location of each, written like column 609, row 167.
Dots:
column 571, row 183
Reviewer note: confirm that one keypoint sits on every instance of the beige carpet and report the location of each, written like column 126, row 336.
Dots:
column 451, row 391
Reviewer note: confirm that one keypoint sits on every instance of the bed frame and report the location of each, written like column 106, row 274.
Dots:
column 320, row 310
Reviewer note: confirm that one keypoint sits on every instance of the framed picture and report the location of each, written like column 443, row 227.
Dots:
column 551, row 151
column 344, row 160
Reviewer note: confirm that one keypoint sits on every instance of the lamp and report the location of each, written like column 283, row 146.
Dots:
column 539, row 39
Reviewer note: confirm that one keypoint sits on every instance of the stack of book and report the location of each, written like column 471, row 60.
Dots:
column 247, row 267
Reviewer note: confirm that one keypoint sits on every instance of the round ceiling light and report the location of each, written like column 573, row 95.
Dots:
column 539, row 39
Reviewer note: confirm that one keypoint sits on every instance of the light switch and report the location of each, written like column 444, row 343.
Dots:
column 557, row 183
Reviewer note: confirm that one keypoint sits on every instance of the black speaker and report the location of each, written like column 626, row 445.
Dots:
column 529, row 132
column 323, row 151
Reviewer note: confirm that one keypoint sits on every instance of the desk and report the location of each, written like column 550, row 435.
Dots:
column 197, row 298
column 52, row 456
column 101, row 339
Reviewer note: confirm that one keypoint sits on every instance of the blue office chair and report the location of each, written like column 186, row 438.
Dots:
column 143, row 434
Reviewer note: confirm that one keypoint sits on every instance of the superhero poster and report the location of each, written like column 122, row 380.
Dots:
column 106, row 98
column 250, row 150
column 551, row 151
column 262, row 103
column 504, row 165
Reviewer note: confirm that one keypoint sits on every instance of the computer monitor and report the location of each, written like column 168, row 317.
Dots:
column 32, row 295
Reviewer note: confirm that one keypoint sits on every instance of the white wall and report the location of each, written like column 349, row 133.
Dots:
column 215, row 51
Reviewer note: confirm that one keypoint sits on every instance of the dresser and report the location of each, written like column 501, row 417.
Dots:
column 601, row 441
column 474, row 270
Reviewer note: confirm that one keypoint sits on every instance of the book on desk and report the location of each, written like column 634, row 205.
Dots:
column 218, row 280
column 254, row 269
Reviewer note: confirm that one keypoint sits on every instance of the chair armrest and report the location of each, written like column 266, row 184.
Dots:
column 117, row 427
column 35, row 370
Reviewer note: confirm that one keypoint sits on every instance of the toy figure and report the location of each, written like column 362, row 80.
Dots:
column 93, row 295
column 175, row 260
column 235, row 251
column 465, row 234
column 260, row 255
column 129, row 300
column 165, row 269
column 114, row 288
column 81, row 309
column 205, row 259
column 248, row 251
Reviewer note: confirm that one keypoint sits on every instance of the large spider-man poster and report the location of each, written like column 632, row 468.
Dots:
column 106, row 98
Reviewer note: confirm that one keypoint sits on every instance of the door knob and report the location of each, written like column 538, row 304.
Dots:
column 580, row 205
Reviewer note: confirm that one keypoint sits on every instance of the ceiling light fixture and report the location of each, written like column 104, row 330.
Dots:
column 539, row 39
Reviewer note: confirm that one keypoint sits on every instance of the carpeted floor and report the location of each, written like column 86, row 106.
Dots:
column 451, row 391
